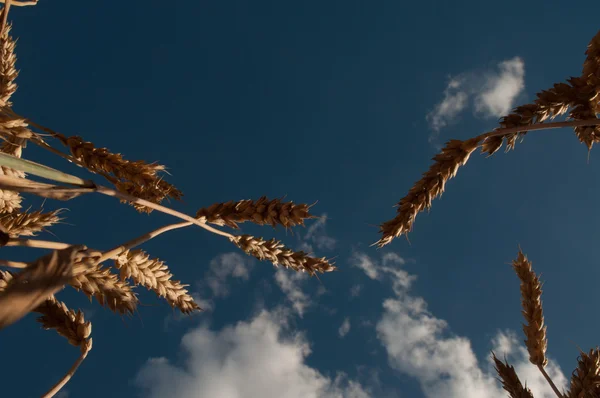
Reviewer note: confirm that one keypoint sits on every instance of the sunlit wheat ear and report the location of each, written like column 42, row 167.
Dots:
column 262, row 212
column 531, row 293
column 510, row 380
column 155, row 275
column 30, row 223
column 105, row 286
column 274, row 251
column 8, row 72
column 585, row 380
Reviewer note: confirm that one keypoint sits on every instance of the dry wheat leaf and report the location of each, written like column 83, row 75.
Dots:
column 33, row 285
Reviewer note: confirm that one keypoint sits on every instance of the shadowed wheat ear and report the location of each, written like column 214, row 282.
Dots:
column 510, row 380
column 262, row 212
column 155, row 275
column 579, row 93
column 66, row 322
column 585, row 380
column 531, row 300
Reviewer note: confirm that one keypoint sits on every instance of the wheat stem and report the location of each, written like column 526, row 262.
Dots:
column 38, row 244
column 139, row 240
column 13, row 264
column 540, row 126
column 549, row 380
column 85, row 349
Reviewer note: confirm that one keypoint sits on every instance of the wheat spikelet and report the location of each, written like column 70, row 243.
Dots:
column 274, row 251
column 155, row 275
column 262, row 211
column 531, row 293
column 585, row 380
column 455, row 154
column 105, row 286
column 8, row 72
column 155, row 192
column 28, row 224
column 510, row 380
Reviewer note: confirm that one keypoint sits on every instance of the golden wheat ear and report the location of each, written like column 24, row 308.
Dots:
column 510, row 380
column 263, row 211
column 155, row 275
column 275, row 252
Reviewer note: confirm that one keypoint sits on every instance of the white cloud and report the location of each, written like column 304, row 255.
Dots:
column 454, row 102
column 290, row 283
column 420, row 345
column 224, row 265
column 493, row 92
column 501, row 89
column 364, row 262
column 345, row 328
column 316, row 235
column 250, row 359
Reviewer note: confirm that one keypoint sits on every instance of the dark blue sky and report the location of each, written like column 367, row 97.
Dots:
column 316, row 101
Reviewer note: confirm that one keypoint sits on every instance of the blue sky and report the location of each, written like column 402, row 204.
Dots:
column 338, row 102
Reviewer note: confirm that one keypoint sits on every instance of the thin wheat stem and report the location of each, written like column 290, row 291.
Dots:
column 85, row 349
column 540, row 126
column 111, row 192
column 38, row 244
column 549, row 380
column 139, row 240
column 16, row 3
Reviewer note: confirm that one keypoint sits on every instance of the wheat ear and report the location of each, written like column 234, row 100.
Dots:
column 274, row 251
column 155, row 275
column 30, row 223
column 585, row 380
column 510, row 380
column 262, row 211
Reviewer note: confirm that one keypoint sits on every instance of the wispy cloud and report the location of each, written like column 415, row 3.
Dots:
column 316, row 236
column 345, row 328
column 493, row 93
column 290, row 284
column 454, row 102
column 355, row 290
column 251, row 359
column 421, row 345
column 224, row 266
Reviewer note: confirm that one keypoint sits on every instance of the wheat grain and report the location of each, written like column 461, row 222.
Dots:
column 585, row 380
column 8, row 72
column 262, row 211
column 155, row 275
column 275, row 252
column 510, row 380
column 531, row 293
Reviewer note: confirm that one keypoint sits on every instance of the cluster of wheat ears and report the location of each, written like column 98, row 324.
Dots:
column 140, row 184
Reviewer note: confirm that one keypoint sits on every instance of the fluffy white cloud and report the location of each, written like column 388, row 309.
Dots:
column 364, row 262
column 493, row 93
column 345, row 328
column 251, row 359
column 501, row 89
column 454, row 102
column 420, row 345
